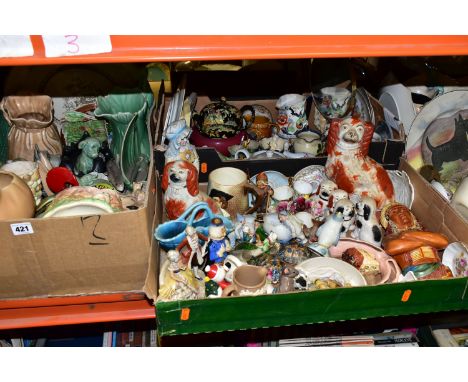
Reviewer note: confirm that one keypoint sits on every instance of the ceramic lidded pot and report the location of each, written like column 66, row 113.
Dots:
column 31, row 121
column 16, row 198
column 220, row 119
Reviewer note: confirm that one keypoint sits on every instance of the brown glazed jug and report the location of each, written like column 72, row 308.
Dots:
column 16, row 198
column 31, row 123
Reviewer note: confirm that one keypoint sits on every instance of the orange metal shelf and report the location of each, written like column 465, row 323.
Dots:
column 30, row 313
column 209, row 47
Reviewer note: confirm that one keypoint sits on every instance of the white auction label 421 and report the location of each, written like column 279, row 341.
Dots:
column 22, row 228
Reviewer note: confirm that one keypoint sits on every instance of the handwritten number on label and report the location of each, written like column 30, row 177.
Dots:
column 100, row 240
column 72, row 45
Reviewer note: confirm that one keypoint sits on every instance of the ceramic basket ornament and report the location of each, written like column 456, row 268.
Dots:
column 171, row 233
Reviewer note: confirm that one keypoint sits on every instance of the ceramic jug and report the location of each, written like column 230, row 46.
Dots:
column 291, row 115
column 16, row 198
column 31, row 122
column 126, row 115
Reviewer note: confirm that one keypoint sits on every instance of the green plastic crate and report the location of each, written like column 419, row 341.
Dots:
column 238, row 313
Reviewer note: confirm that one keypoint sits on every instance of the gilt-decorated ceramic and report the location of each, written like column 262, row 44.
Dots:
column 219, row 120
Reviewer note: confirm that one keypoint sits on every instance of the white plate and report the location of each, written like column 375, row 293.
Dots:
column 319, row 267
column 426, row 124
column 397, row 99
column 456, row 258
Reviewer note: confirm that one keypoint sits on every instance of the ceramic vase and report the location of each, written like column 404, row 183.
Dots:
column 29, row 172
column 126, row 115
column 16, row 199
column 31, row 123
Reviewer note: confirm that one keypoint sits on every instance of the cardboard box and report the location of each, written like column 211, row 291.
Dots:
column 84, row 255
column 297, row 308
column 388, row 153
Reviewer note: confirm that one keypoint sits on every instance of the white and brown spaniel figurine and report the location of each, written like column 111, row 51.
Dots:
column 348, row 164
column 367, row 226
column 180, row 186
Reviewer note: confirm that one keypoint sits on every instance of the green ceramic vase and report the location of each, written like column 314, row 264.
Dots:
column 126, row 115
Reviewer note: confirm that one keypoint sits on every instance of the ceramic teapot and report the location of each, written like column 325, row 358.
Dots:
column 221, row 119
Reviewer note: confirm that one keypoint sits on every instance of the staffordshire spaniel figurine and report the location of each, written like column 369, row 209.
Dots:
column 348, row 164
column 180, row 186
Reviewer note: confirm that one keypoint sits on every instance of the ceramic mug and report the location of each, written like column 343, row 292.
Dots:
column 234, row 182
column 247, row 279
column 460, row 198
column 291, row 115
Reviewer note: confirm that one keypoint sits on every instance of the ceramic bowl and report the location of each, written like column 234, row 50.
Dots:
column 456, row 258
column 220, row 144
column 326, row 267
column 283, row 193
column 389, row 269
column 313, row 174
column 301, row 187
column 83, row 201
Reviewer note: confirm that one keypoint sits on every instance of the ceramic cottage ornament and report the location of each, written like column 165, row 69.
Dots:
column 348, row 164
column 179, row 147
column 180, row 186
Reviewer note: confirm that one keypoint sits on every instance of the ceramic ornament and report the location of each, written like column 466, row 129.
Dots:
column 349, row 165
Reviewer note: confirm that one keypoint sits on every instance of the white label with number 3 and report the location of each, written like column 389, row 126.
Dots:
column 76, row 45
column 21, row 229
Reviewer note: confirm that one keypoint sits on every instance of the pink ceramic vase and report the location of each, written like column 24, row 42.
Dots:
column 16, row 198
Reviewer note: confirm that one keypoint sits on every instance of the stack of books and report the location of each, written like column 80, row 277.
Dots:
column 394, row 339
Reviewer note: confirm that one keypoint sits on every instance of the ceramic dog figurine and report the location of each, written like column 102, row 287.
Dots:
column 180, row 186
column 320, row 201
column 346, row 207
column 336, row 195
column 367, row 226
column 328, row 234
column 348, row 164
column 85, row 161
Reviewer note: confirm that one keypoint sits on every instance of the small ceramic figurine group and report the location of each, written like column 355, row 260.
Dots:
column 353, row 204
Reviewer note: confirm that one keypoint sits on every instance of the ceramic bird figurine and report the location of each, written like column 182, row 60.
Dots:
column 348, row 164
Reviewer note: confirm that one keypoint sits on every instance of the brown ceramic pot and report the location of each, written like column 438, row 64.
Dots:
column 30, row 119
column 16, row 198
